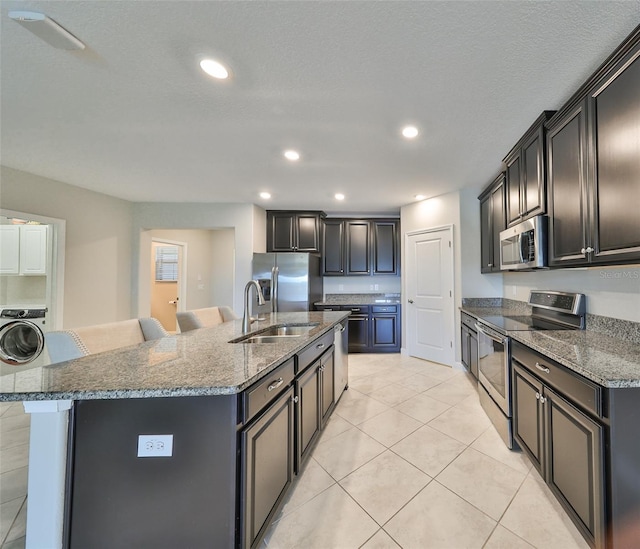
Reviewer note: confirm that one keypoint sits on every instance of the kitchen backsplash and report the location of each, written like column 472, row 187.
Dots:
column 361, row 284
column 23, row 290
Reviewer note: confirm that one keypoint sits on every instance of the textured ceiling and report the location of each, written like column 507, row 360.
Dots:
column 133, row 116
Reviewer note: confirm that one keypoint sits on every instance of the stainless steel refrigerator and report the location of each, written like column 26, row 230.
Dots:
column 289, row 281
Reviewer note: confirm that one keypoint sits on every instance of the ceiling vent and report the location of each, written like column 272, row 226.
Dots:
column 47, row 29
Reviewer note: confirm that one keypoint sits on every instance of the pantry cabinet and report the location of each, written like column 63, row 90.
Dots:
column 492, row 221
column 23, row 249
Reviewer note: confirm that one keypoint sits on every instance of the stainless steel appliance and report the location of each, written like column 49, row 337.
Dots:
column 289, row 281
column 550, row 311
column 341, row 358
column 524, row 246
column 21, row 337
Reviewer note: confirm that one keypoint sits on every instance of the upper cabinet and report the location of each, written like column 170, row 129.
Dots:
column 525, row 174
column 360, row 247
column 23, row 249
column 492, row 221
column 293, row 231
column 593, row 148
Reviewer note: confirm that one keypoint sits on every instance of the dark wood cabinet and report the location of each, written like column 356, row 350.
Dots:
column 469, row 343
column 492, row 221
column 564, row 443
column 594, row 167
column 526, row 174
column 267, row 449
column 327, row 379
column 289, row 231
column 308, row 422
column 358, row 328
column 360, row 247
column 373, row 328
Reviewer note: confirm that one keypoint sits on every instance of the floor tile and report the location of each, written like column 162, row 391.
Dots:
column 334, row 427
column 368, row 384
column 504, row 539
column 490, row 444
column 313, row 480
column 393, row 394
column 11, row 409
column 422, row 407
column 390, row 427
column 381, row 540
column 429, row 450
column 15, row 437
column 331, row 519
column 13, row 484
column 16, row 421
column 8, row 512
column 482, row 481
column 19, row 527
column 346, row 452
column 384, row 485
column 419, row 382
column 439, row 371
column 460, row 424
column 437, row 518
column 536, row 516
column 451, row 391
column 356, row 407
column 14, row 458
column 15, row 544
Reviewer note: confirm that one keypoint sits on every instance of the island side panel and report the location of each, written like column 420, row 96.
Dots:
column 118, row 499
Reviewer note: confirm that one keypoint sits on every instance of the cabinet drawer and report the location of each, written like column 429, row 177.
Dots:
column 468, row 321
column 328, row 308
column 576, row 388
column 361, row 309
column 313, row 351
column 263, row 392
column 384, row 309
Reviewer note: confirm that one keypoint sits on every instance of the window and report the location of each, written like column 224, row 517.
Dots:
column 166, row 263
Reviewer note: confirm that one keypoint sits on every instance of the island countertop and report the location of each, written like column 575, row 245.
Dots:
column 197, row 363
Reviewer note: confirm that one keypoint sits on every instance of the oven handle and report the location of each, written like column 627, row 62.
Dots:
column 499, row 338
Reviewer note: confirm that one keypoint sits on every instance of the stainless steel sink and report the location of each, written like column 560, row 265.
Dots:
column 276, row 334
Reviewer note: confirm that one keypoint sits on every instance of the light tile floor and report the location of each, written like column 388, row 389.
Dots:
column 408, row 459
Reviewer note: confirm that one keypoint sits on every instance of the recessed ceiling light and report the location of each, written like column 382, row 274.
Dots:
column 265, row 195
column 292, row 155
column 410, row 132
column 214, row 68
column 420, row 197
column 339, row 196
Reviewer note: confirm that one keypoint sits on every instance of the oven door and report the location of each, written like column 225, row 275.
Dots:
column 493, row 366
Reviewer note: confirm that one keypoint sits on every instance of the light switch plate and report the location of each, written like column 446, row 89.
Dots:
column 155, row 446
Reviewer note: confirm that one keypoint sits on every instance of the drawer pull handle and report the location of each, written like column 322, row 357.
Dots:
column 320, row 346
column 542, row 368
column 275, row 384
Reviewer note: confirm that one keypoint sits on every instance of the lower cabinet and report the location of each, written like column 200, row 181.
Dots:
column 267, row 450
column 373, row 328
column 564, row 442
column 469, row 344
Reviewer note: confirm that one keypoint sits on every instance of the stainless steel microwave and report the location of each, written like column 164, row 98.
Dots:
column 524, row 246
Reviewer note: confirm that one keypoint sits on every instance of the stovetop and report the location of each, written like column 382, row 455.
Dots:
column 522, row 323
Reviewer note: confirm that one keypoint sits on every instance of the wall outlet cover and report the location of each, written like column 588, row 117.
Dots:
column 155, row 446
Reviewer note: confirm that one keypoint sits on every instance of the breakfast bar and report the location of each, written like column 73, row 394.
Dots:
column 191, row 439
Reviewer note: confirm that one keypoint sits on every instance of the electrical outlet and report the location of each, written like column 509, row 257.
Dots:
column 155, row 446
column 376, row 286
column 371, row 286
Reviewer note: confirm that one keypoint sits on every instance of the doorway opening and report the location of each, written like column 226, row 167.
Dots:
column 167, row 296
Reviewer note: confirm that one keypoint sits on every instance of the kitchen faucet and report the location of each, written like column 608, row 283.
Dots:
column 246, row 319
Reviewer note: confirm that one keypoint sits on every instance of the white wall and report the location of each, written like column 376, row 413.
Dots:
column 97, row 281
column 610, row 291
column 246, row 220
column 222, row 266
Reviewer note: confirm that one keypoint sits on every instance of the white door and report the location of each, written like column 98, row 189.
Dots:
column 429, row 291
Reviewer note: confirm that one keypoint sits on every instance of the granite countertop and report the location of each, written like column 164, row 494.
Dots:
column 609, row 361
column 197, row 363
column 360, row 299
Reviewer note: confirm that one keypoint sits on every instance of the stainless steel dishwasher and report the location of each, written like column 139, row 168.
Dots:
column 341, row 358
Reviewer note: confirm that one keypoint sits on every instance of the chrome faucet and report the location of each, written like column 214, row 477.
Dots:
column 246, row 319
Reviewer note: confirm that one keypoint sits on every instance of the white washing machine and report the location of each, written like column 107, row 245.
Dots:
column 21, row 334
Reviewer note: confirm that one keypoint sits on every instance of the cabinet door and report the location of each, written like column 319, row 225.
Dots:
column 486, row 236
column 267, row 456
column 280, row 231
column 327, row 376
column 498, row 222
column 385, row 247
column 615, row 106
column 333, row 247
column 384, row 331
column 358, row 333
column 575, row 463
column 308, row 419
column 528, row 427
column 533, row 188
column 9, row 249
column 566, row 143
column 33, row 249
column 357, row 248
column 513, row 185
column 307, row 233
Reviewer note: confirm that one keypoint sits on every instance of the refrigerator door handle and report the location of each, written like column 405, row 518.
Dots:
column 274, row 290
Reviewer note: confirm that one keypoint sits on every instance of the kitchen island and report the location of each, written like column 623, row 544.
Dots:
column 190, row 440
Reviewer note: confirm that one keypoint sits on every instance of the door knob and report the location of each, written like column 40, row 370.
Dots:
column 411, row 301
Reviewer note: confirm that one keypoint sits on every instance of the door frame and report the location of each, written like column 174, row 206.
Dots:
column 55, row 281
column 182, row 270
column 451, row 228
